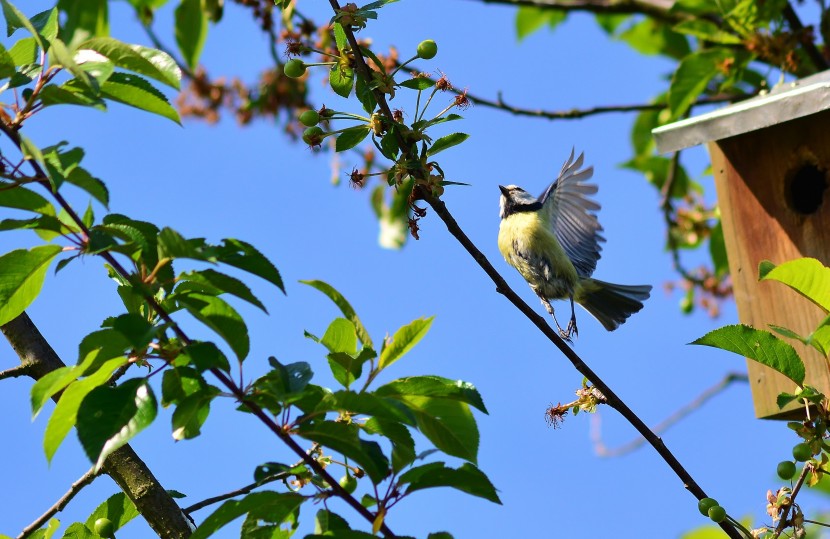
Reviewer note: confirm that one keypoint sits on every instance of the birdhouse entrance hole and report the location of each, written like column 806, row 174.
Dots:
column 806, row 188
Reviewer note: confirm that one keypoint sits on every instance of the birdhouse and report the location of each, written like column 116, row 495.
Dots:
column 771, row 163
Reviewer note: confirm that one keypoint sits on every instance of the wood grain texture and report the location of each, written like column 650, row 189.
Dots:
column 753, row 176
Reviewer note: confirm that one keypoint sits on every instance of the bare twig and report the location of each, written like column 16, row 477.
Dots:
column 234, row 493
column 503, row 288
column 76, row 487
column 809, row 45
column 656, row 9
column 602, row 450
column 14, row 372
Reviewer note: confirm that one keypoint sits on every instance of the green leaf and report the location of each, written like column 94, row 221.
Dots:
column 15, row 19
column 145, row 61
column 447, row 141
column 65, row 415
column 530, row 19
column 758, row 345
column 447, row 424
column 419, row 83
column 403, row 446
column 219, row 316
column 136, row 92
column 22, row 198
column 807, row 276
column 7, row 65
column 204, row 355
column 344, row 439
column 433, row 386
column 368, row 404
column 351, row 137
column 21, row 277
column 191, row 413
column 403, row 340
column 214, row 282
column 76, row 530
column 364, row 94
column 341, row 80
column 326, row 520
column 70, row 94
column 46, row 24
column 648, row 36
column 340, row 37
column 109, row 417
column 693, row 76
column 345, row 308
column 60, row 55
column 707, row 31
column 191, row 30
column 284, row 383
column 271, row 506
column 245, row 256
column 179, row 383
column 83, row 19
column 340, row 336
column 118, row 508
column 24, row 51
column 717, row 250
column 467, row 479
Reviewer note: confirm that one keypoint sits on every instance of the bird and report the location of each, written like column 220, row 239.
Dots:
column 554, row 243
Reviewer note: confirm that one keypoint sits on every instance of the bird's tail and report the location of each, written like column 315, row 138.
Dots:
column 612, row 304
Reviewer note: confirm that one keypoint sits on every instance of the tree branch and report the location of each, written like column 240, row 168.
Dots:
column 15, row 372
column 123, row 465
column 76, row 487
column 656, row 9
column 603, row 451
column 234, row 493
column 809, row 45
column 362, row 70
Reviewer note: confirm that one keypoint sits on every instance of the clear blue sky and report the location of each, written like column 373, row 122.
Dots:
column 224, row 181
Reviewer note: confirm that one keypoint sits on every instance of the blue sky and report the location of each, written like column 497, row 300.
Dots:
column 253, row 184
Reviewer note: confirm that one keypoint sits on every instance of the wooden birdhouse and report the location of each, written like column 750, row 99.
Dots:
column 771, row 162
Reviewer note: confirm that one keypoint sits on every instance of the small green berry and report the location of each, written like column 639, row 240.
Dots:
column 786, row 470
column 310, row 118
column 104, row 527
column 717, row 513
column 427, row 49
column 294, row 68
column 313, row 136
column 802, row 452
column 349, row 483
column 704, row 505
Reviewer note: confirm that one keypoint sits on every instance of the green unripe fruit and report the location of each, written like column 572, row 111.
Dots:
column 310, row 118
column 786, row 470
column 802, row 452
column 427, row 49
column 313, row 136
column 717, row 513
column 349, row 483
column 705, row 504
column 294, row 68
column 104, row 527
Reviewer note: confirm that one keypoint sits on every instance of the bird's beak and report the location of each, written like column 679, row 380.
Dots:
column 503, row 190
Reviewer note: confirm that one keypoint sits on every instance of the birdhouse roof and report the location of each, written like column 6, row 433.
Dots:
column 785, row 102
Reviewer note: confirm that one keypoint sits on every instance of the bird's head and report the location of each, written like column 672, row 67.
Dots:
column 515, row 199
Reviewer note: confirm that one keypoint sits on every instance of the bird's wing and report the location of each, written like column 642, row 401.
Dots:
column 572, row 215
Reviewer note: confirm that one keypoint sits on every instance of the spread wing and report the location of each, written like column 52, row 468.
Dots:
column 572, row 215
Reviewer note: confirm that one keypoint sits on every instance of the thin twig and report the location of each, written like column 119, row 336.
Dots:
column 237, row 390
column 818, row 59
column 14, row 372
column 656, row 9
column 782, row 524
column 603, row 451
column 502, row 287
column 234, row 493
column 76, row 487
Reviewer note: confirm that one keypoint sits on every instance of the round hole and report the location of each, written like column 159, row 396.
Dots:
column 807, row 189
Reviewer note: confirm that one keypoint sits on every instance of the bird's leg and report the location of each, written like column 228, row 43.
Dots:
column 572, row 324
column 562, row 333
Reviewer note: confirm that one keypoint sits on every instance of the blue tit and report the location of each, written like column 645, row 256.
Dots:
column 554, row 242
